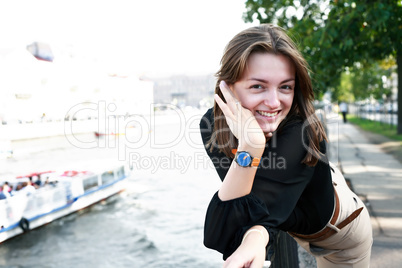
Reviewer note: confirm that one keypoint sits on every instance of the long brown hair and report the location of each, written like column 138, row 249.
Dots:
column 267, row 38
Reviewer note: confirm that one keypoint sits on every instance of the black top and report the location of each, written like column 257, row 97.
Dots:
column 286, row 195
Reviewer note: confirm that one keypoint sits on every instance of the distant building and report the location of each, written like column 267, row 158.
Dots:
column 195, row 91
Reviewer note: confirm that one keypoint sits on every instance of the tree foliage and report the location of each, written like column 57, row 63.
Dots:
column 335, row 35
column 361, row 82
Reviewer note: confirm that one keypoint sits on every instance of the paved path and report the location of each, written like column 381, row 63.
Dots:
column 377, row 178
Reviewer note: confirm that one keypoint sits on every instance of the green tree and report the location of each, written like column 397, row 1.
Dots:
column 345, row 88
column 368, row 82
column 361, row 82
column 336, row 34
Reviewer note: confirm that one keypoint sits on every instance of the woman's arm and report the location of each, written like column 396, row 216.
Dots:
column 239, row 180
column 233, row 198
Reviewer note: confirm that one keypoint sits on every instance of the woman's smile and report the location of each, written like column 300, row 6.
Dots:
column 267, row 114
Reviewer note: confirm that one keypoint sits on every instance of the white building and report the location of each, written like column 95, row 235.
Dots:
column 45, row 89
column 182, row 90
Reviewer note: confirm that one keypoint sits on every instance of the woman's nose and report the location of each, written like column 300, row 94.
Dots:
column 271, row 99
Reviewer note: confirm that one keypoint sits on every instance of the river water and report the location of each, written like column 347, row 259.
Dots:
column 156, row 222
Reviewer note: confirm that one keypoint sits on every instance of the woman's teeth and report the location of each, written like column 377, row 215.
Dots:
column 267, row 114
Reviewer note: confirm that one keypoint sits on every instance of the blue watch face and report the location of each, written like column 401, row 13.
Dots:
column 243, row 159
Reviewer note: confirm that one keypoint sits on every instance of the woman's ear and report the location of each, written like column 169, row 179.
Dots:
column 231, row 87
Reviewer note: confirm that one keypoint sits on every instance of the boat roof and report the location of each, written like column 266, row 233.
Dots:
column 35, row 174
column 83, row 169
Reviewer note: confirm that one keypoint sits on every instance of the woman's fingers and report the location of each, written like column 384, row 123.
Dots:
column 224, row 107
column 231, row 107
column 231, row 101
column 230, row 117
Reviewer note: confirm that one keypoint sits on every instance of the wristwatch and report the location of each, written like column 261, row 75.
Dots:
column 244, row 159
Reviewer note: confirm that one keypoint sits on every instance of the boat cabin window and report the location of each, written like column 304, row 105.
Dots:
column 107, row 177
column 120, row 172
column 90, row 182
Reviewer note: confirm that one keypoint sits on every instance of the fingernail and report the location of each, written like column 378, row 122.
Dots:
column 222, row 84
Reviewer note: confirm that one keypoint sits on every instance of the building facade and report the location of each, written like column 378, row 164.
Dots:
column 182, row 90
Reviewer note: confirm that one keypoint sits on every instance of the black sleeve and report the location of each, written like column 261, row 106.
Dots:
column 219, row 159
column 227, row 221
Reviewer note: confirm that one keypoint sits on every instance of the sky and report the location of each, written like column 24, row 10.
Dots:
column 155, row 37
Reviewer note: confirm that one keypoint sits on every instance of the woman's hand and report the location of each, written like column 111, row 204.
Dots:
column 250, row 253
column 241, row 121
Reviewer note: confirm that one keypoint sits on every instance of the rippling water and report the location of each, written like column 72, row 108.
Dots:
column 156, row 222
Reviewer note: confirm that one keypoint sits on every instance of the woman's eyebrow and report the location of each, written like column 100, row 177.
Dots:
column 288, row 80
column 267, row 82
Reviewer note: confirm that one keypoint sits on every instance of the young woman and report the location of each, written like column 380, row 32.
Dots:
column 278, row 177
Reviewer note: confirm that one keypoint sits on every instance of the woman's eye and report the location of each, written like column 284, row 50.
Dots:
column 286, row 87
column 256, row 87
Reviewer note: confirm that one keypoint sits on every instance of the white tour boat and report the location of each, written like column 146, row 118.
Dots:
column 60, row 194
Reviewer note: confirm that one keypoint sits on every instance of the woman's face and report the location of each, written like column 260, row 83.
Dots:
column 266, row 88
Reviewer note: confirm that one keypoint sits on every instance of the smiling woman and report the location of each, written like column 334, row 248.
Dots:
column 263, row 123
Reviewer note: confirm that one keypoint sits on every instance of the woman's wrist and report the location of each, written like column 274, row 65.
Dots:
column 255, row 151
column 253, row 230
column 257, row 233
